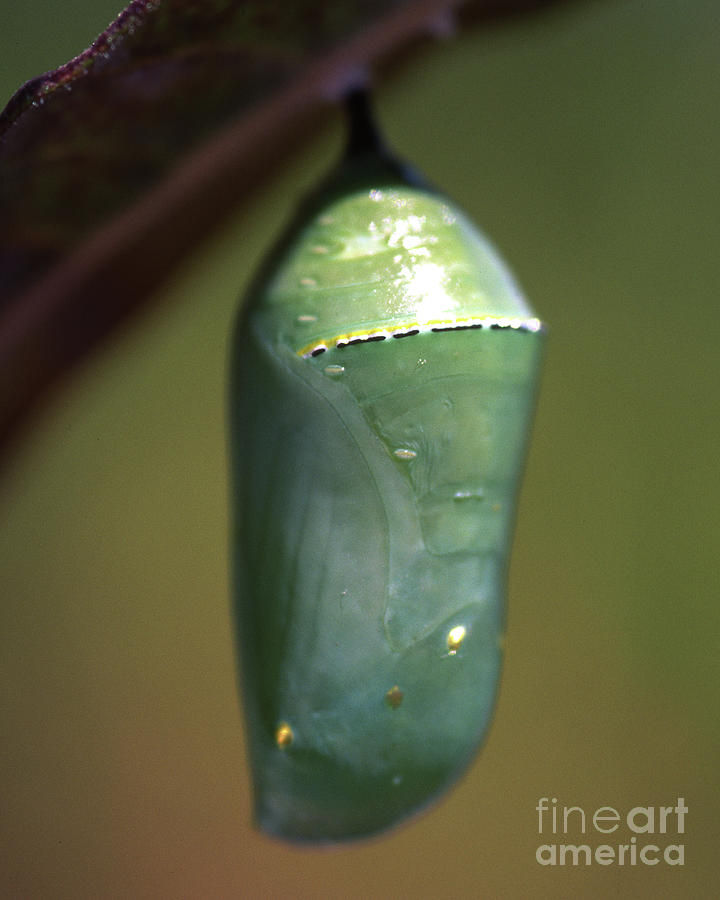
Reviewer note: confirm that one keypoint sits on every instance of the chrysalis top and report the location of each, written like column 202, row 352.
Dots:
column 384, row 262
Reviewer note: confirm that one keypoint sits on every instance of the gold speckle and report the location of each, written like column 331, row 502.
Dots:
column 308, row 282
column 455, row 638
column 404, row 453
column 319, row 249
column 284, row 735
column 394, row 697
column 496, row 507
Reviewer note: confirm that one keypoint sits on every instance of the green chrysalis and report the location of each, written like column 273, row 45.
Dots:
column 384, row 372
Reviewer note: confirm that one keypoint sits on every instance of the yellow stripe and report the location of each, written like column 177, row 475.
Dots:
column 407, row 329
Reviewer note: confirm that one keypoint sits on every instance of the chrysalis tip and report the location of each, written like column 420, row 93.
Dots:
column 343, row 81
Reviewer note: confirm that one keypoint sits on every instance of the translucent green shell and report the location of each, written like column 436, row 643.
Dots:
column 384, row 374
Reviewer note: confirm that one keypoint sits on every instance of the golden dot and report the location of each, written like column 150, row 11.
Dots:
column 284, row 735
column 455, row 638
column 394, row 697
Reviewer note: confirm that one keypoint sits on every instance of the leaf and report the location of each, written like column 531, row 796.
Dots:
column 114, row 165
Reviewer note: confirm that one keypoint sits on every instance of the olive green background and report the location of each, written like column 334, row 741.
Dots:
column 586, row 144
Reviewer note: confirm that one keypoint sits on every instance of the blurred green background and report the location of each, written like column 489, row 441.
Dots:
column 586, row 143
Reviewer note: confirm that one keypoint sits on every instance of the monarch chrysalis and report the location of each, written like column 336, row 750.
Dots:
column 384, row 370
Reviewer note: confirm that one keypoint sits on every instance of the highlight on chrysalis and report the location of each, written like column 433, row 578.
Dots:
column 383, row 380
